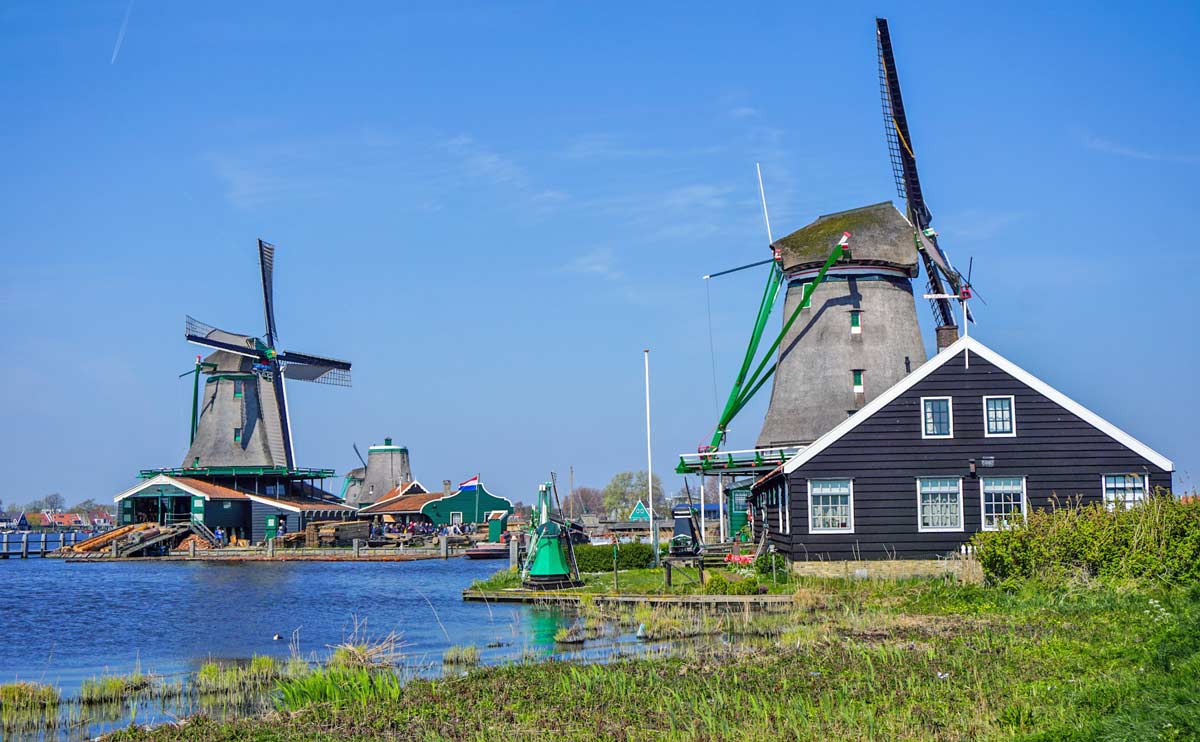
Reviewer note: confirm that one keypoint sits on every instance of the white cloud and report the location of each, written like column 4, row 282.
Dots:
column 599, row 262
column 1108, row 146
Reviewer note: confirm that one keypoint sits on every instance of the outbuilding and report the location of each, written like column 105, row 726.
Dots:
column 968, row 441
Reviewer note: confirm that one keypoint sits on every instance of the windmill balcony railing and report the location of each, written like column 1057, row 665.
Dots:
column 748, row 460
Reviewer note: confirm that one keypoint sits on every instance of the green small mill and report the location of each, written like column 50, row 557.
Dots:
column 550, row 562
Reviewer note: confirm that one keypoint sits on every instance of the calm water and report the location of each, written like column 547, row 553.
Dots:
column 63, row 623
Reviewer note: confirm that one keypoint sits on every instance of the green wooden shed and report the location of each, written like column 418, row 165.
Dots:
column 467, row 505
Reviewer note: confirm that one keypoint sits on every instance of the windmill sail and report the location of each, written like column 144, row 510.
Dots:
column 266, row 263
column 200, row 333
column 908, row 181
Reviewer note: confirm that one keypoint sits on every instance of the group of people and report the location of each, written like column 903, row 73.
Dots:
column 412, row 528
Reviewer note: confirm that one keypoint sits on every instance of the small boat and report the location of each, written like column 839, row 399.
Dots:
column 487, row 551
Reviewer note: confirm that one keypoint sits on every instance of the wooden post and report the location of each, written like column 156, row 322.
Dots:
column 444, row 545
column 192, row 548
column 24, row 545
column 514, row 553
column 667, row 567
column 115, row 553
column 357, row 546
column 271, row 548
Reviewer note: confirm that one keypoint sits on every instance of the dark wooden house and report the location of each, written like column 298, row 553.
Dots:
column 968, row 441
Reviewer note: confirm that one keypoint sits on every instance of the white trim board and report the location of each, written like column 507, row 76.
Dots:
column 969, row 343
column 158, row 480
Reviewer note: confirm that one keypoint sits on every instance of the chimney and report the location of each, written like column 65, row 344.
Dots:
column 947, row 335
column 446, row 488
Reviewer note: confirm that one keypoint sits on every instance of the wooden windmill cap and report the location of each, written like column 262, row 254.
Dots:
column 882, row 236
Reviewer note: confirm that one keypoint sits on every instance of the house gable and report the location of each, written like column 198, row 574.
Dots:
column 1060, row 450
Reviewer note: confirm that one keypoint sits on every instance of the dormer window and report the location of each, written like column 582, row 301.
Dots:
column 937, row 417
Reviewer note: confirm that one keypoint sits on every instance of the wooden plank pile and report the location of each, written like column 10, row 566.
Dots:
column 336, row 532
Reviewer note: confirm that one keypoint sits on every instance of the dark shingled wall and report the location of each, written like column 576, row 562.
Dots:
column 1058, row 453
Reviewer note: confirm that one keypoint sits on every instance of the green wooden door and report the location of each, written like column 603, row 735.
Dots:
column 272, row 523
column 126, row 511
column 197, row 509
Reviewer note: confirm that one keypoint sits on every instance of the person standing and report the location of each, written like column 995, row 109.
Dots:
column 220, row 534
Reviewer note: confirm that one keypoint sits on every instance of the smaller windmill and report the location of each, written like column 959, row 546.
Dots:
column 244, row 419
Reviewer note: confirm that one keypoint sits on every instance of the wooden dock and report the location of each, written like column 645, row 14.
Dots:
column 554, row 597
column 260, row 554
column 37, row 543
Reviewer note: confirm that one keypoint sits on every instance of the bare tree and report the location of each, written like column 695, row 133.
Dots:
column 584, row 500
column 54, row 501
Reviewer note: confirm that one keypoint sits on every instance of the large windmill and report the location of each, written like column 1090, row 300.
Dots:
column 243, row 420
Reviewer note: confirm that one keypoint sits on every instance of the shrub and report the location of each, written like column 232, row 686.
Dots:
column 1157, row 539
column 717, row 584
column 772, row 565
column 599, row 558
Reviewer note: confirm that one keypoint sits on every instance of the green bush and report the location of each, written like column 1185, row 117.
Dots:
column 717, row 584
column 772, row 565
column 600, row 558
column 1157, row 539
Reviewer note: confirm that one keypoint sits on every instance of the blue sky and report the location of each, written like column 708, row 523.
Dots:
column 492, row 210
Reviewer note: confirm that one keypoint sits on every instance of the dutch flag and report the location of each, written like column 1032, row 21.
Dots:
column 470, row 484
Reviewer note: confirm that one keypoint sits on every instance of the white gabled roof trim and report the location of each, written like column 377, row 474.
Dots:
column 160, row 480
column 1018, row 373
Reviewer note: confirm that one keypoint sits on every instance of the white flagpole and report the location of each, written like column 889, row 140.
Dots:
column 650, row 462
column 702, row 523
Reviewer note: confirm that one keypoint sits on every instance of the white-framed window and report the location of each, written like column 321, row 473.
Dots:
column 999, row 417
column 856, row 376
column 456, row 519
column 939, row 504
column 855, row 321
column 831, row 505
column 1002, row 502
column 937, row 417
column 1123, row 490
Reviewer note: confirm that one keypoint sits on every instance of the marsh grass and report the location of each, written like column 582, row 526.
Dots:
column 240, row 677
column 907, row 660
column 461, row 656
column 24, row 696
column 110, row 688
column 361, row 650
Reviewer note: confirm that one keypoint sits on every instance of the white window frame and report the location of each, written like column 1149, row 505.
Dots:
column 454, row 522
column 855, row 329
column 1111, row 504
column 949, row 409
column 961, row 508
column 1012, row 412
column 811, row 528
column 983, row 513
column 862, row 375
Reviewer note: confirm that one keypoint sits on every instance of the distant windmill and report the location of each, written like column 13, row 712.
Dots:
column 244, row 418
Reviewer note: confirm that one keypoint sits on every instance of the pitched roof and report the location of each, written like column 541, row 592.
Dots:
column 212, row 491
column 299, row 504
column 972, row 345
column 402, row 504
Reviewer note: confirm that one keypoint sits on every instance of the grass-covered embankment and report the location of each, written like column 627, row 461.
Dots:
column 865, row 660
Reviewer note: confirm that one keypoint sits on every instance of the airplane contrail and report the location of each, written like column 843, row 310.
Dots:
column 121, row 33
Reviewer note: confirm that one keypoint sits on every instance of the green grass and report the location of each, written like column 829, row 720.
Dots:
column 629, row 582
column 261, row 670
column 27, row 696
column 872, row 660
column 461, row 656
column 109, row 688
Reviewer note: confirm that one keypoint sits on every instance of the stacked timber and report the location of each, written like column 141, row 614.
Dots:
column 336, row 532
column 200, row 542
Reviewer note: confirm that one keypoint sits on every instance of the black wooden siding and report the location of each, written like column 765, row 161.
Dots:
column 1058, row 453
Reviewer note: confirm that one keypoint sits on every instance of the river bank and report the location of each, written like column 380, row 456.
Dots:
column 867, row 659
